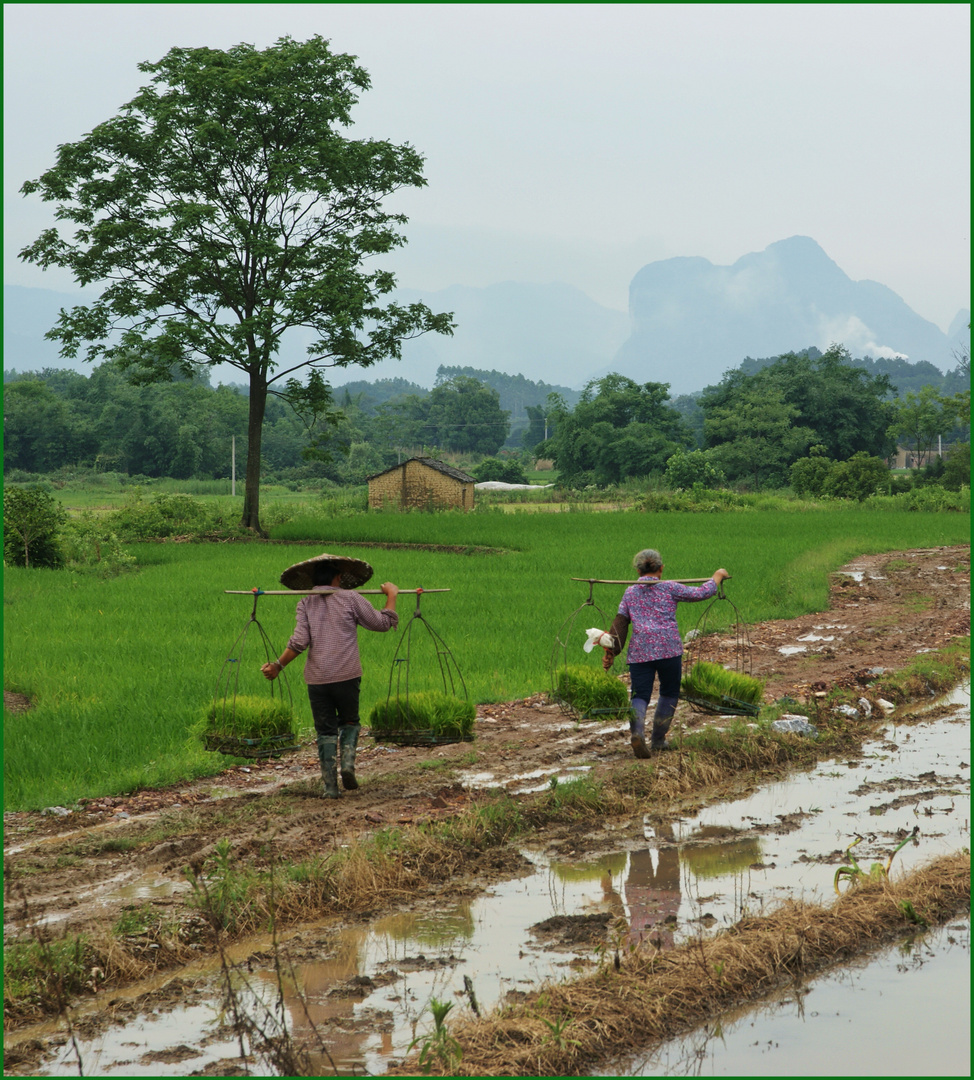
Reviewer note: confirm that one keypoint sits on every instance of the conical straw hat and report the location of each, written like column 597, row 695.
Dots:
column 300, row 576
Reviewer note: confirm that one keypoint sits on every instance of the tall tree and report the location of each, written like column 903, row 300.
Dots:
column 920, row 417
column 619, row 428
column 847, row 408
column 467, row 416
column 223, row 207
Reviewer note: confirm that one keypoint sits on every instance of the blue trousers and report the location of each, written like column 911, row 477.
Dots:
column 643, row 676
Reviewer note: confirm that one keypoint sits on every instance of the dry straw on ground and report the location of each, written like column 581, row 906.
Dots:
column 649, row 995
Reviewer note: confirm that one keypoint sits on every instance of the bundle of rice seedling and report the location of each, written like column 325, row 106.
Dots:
column 590, row 692
column 428, row 716
column 247, row 725
column 713, row 686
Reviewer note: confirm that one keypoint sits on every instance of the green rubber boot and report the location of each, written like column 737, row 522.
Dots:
column 637, row 727
column 665, row 708
column 327, row 754
column 347, row 742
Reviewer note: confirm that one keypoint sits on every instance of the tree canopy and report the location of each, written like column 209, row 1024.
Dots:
column 619, row 428
column 792, row 403
column 223, row 207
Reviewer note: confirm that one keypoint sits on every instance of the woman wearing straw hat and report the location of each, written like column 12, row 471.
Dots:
column 656, row 648
column 327, row 625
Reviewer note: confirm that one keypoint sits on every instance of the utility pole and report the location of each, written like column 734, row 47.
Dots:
column 233, row 464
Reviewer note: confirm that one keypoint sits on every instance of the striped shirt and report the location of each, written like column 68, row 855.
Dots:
column 328, row 623
column 652, row 611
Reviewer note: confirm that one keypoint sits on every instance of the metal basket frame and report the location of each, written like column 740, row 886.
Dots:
column 227, row 689
column 703, row 647
column 558, row 661
column 399, row 676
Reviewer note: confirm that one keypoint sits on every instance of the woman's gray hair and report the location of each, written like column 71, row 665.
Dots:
column 648, row 561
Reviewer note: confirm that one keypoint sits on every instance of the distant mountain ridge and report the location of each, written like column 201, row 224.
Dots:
column 692, row 320
column 689, row 322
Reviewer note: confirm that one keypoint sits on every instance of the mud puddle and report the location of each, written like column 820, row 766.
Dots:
column 367, row 989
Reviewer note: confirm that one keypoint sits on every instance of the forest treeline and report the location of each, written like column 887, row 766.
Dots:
column 752, row 427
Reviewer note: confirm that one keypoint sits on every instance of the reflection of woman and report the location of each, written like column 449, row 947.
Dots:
column 653, row 894
column 656, row 647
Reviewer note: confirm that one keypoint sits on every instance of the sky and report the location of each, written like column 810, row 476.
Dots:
column 579, row 142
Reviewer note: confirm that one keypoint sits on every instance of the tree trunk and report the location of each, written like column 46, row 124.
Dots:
column 255, row 426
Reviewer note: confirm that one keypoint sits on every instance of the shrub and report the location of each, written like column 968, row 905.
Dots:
column 89, row 547
column 432, row 711
column 714, row 683
column 957, row 467
column 507, row 472
column 32, row 520
column 685, row 470
column 858, row 478
column 808, row 475
column 591, row 691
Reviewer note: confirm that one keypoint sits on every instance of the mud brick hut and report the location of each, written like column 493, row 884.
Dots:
column 423, row 483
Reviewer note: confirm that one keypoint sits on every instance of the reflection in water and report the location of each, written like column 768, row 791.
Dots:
column 653, row 891
column 718, row 860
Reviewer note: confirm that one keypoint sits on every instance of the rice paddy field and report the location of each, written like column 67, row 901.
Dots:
column 120, row 669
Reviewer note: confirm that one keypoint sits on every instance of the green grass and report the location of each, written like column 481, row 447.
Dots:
column 120, row 668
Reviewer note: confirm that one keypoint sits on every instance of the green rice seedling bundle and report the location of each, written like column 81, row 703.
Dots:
column 423, row 718
column 247, row 725
column 713, row 686
column 590, row 692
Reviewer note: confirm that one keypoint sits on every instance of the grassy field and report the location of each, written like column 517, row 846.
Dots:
column 121, row 668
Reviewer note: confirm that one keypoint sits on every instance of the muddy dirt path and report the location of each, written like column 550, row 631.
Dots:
column 81, row 870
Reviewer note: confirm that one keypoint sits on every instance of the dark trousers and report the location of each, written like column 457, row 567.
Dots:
column 643, row 675
column 333, row 704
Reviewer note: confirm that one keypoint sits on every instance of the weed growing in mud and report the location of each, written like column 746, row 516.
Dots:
column 464, row 761
column 855, row 875
column 45, row 972
column 582, row 795
column 440, row 1045
column 489, row 823
column 225, row 895
column 135, row 920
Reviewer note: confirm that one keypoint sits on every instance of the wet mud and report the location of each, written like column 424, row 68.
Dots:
column 515, row 917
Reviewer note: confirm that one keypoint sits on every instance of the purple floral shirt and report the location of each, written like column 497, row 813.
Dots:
column 652, row 611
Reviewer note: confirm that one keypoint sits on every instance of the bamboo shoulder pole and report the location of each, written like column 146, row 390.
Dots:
column 678, row 581
column 323, row 590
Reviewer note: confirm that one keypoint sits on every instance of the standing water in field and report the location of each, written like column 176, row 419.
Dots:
column 367, row 989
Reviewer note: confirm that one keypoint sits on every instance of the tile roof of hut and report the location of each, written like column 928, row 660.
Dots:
column 432, row 463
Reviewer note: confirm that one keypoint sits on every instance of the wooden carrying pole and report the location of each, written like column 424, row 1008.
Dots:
column 323, row 590
column 678, row 581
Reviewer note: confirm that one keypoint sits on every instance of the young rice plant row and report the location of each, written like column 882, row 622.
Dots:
column 120, row 668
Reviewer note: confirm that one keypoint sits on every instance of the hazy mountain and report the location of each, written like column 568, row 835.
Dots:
column 553, row 333
column 691, row 320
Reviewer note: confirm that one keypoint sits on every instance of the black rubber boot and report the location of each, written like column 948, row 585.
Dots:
column 347, row 742
column 327, row 754
column 665, row 708
column 637, row 727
